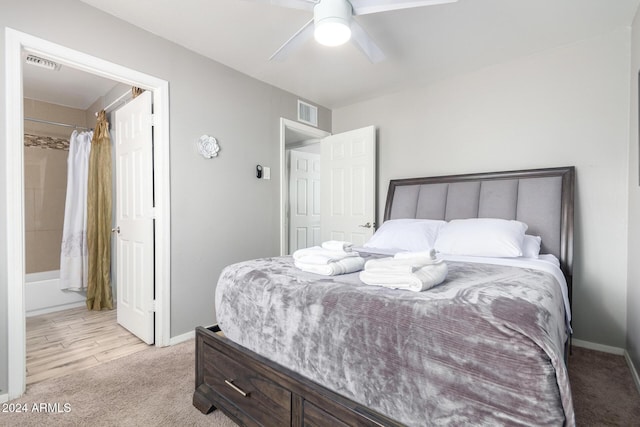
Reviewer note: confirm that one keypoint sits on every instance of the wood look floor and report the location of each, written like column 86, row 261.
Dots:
column 67, row 341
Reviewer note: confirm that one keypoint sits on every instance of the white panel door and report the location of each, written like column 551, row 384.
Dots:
column 348, row 186
column 134, row 217
column 304, row 200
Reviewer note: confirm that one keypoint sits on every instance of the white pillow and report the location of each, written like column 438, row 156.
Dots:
column 490, row 237
column 531, row 246
column 406, row 234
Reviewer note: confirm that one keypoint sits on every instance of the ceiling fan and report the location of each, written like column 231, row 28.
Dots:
column 333, row 24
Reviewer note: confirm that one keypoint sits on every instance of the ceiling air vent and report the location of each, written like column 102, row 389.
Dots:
column 307, row 113
column 41, row 62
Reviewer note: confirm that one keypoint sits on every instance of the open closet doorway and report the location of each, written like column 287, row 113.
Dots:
column 17, row 45
column 300, row 185
column 340, row 203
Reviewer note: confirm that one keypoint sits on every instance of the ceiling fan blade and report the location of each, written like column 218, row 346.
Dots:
column 294, row 42
column 291, row 4
column 366, row 43
column 364, row 7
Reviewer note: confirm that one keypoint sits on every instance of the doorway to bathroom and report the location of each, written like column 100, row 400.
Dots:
column 60, row 109
column 17, row 44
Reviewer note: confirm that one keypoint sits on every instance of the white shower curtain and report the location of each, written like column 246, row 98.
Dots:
column 73, row 254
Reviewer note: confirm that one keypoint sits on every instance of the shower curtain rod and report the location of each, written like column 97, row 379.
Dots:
column 31, row 119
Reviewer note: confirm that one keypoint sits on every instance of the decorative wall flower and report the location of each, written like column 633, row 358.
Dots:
column 208, row 146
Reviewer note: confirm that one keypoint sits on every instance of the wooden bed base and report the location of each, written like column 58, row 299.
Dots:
column 254, row 391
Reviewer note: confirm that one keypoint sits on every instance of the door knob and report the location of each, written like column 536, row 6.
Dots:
column 367, row 225
column 116, row 230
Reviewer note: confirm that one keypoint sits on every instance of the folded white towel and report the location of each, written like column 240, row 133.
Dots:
column 402, row 262
column 390, row 265
column 343, row 266
column 319, row 255
column 420, row 280
column 338, row 246
column 418, row 258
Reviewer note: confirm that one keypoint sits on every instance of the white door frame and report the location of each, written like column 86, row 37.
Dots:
column 314, row 133
column 15, row 43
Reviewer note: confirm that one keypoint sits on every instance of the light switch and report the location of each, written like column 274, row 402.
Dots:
column 266, row 172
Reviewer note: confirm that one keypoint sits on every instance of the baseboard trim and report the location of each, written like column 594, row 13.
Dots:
column 634, row 371
column 598, row 347
column 4, row 398
column 182, row 338
column 55, row 308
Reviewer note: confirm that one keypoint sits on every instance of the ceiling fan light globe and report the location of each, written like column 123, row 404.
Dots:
column 332, row 19
column 332, row 32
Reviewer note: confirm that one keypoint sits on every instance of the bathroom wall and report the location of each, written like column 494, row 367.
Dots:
column 55, row 113
column 46, row 183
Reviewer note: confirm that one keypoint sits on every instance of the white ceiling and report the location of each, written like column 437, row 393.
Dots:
column 422, row 44
column 66, row 86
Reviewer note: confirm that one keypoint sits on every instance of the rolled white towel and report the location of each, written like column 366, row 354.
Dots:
column 319, row 255
column 422, row 279
column 337, row 245
column 343, row 266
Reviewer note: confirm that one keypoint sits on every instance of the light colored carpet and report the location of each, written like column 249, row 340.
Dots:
column 604, row 393
column 154, row 387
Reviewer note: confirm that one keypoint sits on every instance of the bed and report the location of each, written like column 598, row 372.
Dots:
column 488, row 346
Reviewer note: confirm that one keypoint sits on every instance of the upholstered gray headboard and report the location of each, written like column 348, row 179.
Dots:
column 541, row 198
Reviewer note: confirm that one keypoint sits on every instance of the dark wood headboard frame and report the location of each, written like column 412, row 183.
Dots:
column 567, row 197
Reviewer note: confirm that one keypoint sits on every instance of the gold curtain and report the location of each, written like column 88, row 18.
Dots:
column 135, row 91
column 99, row 218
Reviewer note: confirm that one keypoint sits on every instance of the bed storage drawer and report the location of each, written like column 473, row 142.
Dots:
column 258, row 396
column 319, row 411
column 250, row 395
column 254, row 391
column 316, row 417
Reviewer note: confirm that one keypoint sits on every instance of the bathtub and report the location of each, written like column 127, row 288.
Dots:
column 43, row 294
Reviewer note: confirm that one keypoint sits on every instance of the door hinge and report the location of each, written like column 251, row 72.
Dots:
column 153, row 306
column 152, row 213
column 153, row 119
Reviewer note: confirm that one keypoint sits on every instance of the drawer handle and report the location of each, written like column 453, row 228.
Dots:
column 236, row 388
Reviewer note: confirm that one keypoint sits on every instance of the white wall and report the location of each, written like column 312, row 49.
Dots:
column 566, row 106
column 220, row 213
column 633, row 287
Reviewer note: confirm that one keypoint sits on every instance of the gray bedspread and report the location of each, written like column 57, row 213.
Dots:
column 483, row 348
